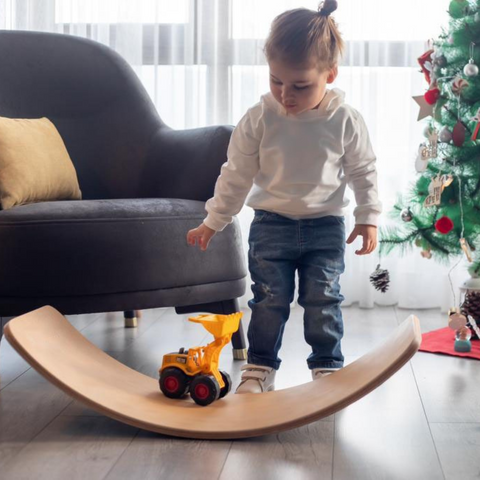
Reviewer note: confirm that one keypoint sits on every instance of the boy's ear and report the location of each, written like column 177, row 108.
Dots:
column 332, row 75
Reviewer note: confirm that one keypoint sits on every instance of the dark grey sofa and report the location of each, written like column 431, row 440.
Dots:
column 144, row 186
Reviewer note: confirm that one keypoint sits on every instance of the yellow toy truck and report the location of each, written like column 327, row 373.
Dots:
column 195, row 370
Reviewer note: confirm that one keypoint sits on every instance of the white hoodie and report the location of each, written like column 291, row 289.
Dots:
column 299, row 165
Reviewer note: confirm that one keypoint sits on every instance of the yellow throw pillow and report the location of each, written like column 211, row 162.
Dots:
column 34, row 163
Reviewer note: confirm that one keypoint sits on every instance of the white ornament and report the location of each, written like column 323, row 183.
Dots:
column 426, row 151
column 422, row 158
column 445, row 135
column 470, row 69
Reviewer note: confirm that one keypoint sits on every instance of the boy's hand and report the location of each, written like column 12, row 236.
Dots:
column 369, row 234
column 200, row 236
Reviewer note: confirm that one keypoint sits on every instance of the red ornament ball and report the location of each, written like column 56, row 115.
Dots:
column 431, row 96
column 444, row 225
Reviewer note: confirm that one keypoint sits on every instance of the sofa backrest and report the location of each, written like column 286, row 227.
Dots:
column 94, row 98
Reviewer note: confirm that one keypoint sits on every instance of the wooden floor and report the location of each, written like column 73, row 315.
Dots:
column 423, row 423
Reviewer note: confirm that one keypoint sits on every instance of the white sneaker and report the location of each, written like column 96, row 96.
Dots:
column 322, row 372
column 256, row 379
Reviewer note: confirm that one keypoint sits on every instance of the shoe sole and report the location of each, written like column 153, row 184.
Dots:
column 269, row 389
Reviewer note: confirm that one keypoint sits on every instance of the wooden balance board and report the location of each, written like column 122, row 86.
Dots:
column 53, row 347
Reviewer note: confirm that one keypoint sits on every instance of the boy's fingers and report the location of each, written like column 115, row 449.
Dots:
column 193, row 237
column 204, row 241
column 364, row 248
column 200, row 237
column 367, row 248
column 352, row 237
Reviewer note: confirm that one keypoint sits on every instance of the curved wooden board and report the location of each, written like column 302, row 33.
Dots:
column 47, row 341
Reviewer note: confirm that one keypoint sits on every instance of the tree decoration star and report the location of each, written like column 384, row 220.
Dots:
column 426, row 110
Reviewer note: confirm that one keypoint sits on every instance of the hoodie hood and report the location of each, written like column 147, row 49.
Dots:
column 333, row 99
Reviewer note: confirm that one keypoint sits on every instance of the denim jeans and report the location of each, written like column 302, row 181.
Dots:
column 279, row 247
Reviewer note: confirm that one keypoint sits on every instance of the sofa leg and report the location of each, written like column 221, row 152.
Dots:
column 130, row 318
column 224, row 308
column 238, row 338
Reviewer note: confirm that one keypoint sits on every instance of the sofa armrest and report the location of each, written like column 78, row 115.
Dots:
column 185, row 163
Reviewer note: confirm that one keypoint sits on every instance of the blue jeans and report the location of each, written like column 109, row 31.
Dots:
column 279, row 247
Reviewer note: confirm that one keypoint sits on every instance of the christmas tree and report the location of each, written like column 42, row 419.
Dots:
column 440, row 214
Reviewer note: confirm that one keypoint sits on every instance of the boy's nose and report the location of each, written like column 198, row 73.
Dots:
column 287, row 94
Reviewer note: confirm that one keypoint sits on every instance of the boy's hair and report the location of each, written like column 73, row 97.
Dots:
column 301, row 36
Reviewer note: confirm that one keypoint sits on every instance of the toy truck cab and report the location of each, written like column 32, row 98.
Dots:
column 182, row 359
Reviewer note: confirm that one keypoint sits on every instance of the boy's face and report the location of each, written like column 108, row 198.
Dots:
column 298, row 89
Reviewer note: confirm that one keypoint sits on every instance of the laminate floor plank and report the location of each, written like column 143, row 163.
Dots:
column 151, row 457
column 385, row 435
column 27, row 406
column 73, row 448
column 366, row 328
column 302, row 454
column 11, row 364
column 111, row 335
column 449, row 387
column 82, row 321
column 458, row 446
column 430, row 319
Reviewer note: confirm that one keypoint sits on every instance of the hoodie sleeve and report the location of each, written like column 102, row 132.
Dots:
column 237, row 174
column 359, row 168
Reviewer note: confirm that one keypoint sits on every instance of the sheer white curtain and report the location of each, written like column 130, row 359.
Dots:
column 202, row 63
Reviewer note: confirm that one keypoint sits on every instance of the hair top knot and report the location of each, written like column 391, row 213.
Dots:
column 327, row 7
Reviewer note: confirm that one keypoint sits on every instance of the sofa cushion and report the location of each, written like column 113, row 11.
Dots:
column 34, row 163
column 94, row 247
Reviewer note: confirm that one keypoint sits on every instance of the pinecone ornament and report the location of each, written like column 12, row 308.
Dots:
column 380, row 279
column 471, row 306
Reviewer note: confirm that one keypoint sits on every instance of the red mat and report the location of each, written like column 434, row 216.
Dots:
column 442, row 341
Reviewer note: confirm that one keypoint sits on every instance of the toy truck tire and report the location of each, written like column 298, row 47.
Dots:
column 228, row 384
column 204, row 390
column 174, row 383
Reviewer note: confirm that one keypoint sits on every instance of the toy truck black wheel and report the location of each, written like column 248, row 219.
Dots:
column 228, row 384
column 174, row 383
column 204, row 389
